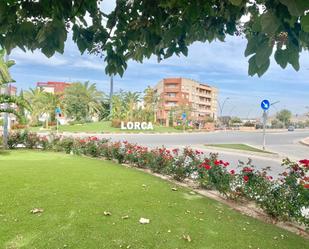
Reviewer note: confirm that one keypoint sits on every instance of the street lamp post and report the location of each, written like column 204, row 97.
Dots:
column 265, row 112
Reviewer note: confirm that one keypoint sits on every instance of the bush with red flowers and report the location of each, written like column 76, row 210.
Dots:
column 285, row 198
column 213, row 174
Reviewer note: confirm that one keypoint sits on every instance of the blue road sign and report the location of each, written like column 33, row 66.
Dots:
column 184, row 115
column 58, row 110
column 265, row 104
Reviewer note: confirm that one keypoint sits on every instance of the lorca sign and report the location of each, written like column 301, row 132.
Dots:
column 136, row 126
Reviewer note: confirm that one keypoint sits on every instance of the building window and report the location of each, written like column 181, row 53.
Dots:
column 171, row 94
column 171, row 85
column 171, row 103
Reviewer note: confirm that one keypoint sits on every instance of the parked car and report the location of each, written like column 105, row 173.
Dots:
column 291, row 128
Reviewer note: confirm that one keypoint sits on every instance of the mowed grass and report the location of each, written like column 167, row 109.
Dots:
column 105, row 127
column 243, row 147
column 74, row 193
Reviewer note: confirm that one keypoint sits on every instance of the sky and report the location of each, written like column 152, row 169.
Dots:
column 219, row 64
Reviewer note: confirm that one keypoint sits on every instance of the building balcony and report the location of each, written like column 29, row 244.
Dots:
column 172, row 89
column 171, row 98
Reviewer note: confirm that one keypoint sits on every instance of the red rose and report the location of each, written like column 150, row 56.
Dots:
column 306, row 186
column 226, row 164
column 217, row 163
column 207, row 166
column 246, row 178
column 304, row 161
column 269, row 178
column 247, row 170
column 232, row 172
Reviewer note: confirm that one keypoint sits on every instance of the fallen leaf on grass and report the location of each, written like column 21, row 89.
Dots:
column 125, row 217
column 144, row 221
column 107, row 213
column 174, row 189
column 36, row 210
column 186, row 237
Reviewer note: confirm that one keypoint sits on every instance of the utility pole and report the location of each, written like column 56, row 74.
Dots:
column 6, row 116
column 111, row 92
column 265, row 106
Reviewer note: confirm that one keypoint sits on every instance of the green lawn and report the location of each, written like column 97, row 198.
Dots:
column 105, row 126
column 74, row 192
column 239, row 147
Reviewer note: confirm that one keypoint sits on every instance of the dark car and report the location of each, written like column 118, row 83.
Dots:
column 291, row 128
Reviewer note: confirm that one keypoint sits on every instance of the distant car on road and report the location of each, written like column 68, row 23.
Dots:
column 291, row 128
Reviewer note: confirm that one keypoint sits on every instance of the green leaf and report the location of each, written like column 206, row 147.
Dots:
column 270, row 23
column 262, row 69
column 305, row 23
column 281, row 57
column 293, row 55
column 296, row 7
column 294, row 59
column 263, row 53
column 236, row 2
column 251, row 46
column 252, row 66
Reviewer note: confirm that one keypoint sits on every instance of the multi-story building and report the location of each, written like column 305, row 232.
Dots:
column 53, row 87
column 200, row 98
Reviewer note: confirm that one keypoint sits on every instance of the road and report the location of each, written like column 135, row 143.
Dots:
column 286, row 144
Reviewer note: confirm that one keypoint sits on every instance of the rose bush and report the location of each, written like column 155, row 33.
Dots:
column 285, row 198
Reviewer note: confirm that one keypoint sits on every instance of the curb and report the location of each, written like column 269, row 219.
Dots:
column 305, row 141
column 275, row 156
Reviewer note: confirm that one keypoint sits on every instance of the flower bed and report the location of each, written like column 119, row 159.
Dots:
column 285, row 198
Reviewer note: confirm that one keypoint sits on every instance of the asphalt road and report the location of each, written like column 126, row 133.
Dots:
column 285, row 143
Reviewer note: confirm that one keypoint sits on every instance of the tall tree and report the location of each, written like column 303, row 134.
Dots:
column 284, row 116
column 5, row 79
column 6, row 98
column 137, row 29
column 151, row 100
column 82, row 101
column 131, row 99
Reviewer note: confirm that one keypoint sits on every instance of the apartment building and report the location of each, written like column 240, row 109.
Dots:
column 177, row 92
column 53, row 87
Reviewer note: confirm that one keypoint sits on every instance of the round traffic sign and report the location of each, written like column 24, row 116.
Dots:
column 265, row 104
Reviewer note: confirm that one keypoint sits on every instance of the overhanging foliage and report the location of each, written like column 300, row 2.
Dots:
column 137, row 29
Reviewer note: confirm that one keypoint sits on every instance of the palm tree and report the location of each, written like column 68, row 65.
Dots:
column 131, row 99
column 5, row 78
column 43, row 103
column 83, row 100
column 5, row 98
column 151, row 101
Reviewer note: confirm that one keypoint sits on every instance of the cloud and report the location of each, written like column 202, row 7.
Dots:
column 94, row 65
column 37, row 57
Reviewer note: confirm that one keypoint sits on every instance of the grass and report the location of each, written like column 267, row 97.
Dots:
column 239, row 147
column 74, row 193
column 105, row 126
